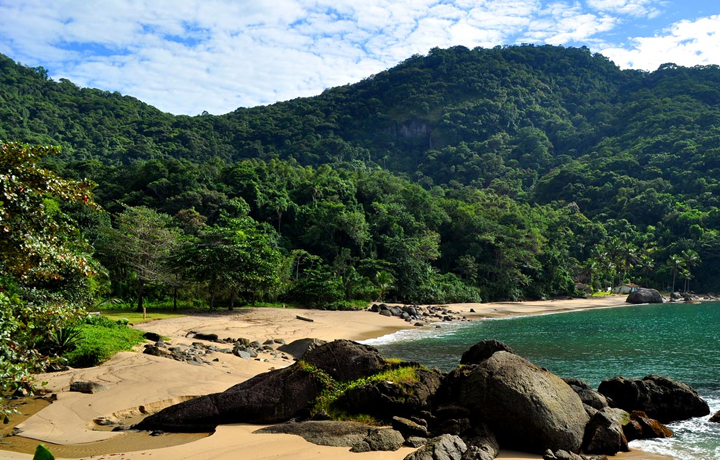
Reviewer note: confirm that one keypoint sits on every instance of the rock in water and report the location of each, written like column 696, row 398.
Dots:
column 659, row 397
column 528, row 408
column 271, row 397
column 643, row 295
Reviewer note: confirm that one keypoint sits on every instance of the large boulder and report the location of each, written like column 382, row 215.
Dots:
column 272, row 397
column 345, row 360
column 640, row 426
column 659, row 397
column 644, row 295
column 604, row 433
column 387, row 398
column 528, row 408
column 587, row 395
column 445, row 447
column 483, row 350
column 481, row 443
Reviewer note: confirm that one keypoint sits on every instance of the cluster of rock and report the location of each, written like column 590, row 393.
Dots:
column 495, row 398
column 692, row 297
column 419, row 316
column 199, row 353
column 644, row 295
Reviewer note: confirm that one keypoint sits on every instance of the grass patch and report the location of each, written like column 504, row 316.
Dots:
column 333, row 390
column 100, row 339
column 134, row 317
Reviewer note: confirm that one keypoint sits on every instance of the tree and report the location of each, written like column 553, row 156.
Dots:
column 140, row 247
column 691, row 260
column 384, row 282
column 45, row 267
column 675, row 262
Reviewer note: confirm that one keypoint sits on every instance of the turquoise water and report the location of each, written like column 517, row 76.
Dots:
column 680, row 341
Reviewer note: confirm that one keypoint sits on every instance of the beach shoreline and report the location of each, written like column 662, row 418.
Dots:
column 137, row 381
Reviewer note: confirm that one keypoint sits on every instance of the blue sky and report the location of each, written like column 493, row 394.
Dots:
column 188, row 56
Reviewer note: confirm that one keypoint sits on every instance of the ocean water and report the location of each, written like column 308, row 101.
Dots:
column 681, row 341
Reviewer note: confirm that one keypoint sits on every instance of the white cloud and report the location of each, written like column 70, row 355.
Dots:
column 186, row 56
column 686, row 43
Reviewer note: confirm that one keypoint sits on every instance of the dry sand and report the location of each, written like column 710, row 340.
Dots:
column 139, row 383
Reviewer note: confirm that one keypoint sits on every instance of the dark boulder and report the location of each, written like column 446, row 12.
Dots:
column 87, row 387
column 587, row 395
column 152, row 336
column 643, row 295
column 481, row 443
column 529, row 408
column 715, row 418
column 384, row 439
column 483, row 350
column 271, row 397
column 345, row 360
column 409, row 428
column 659, row 397
column 445, row 447
column 387, row 398
column 208, row 337
column 298, row 348
column 604, row 433
column 641, row 426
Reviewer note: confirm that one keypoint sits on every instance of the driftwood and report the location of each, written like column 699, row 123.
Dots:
column 305, row 318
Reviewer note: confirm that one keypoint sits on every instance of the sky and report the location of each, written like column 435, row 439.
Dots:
column 190, row 56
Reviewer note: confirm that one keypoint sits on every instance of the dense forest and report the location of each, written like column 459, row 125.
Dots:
column 504, row 173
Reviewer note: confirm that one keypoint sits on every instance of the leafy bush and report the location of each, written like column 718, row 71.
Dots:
column 100, row 339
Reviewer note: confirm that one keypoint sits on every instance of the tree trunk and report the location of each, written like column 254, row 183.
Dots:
column 140, row 293
column 233, row 294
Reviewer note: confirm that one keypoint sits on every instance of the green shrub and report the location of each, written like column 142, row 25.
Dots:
column 100, row 339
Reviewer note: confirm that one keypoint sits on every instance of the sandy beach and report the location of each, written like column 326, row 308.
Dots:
column 138, row 383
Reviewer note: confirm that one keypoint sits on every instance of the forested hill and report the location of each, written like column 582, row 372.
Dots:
column 540, row 133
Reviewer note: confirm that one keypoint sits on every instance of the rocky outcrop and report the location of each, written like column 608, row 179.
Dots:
column 483, row 350
column 345, row 360
column 604, row 433
column 271, row 397
column 481, row 443
column 640, row 426
column 361, row 438
column 715, row 418
column 659, row 397
column 644, row 295
column 445, row 447
column 528, row 407
column 587, row 395
column 387, row 398
column 298, row 348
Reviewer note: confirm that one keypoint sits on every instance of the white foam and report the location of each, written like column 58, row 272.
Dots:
column 446, row 329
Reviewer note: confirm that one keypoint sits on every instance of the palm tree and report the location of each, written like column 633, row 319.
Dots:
column 675, row 261
column 692, row 259
column 384, row 282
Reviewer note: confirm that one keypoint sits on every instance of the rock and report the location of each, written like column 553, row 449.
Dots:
column 481, row 443
column 644, row 295
column 408, row 428
column 380, row 440
column 385, row 313
column 587, row 395
column 445, row 447
column 604, row 434
column 208, row 337
column 659, row 397
column 396, row 311
column 154, row 350
column 345, row 360
column 715, row 418
column 323, row 433
column 271, row 397
column 87, row 387
column 415, row 442
column 279, row 341
column 643, row 427
column 483, row 350
column 298, row 348
column 385, row 399
column 152, row 336
column 529, row 408
column 375, row 308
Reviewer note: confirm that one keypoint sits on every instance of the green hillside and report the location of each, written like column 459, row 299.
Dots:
column 496, row 173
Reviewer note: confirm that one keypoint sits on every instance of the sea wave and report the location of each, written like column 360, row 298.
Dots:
column 439, row 330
